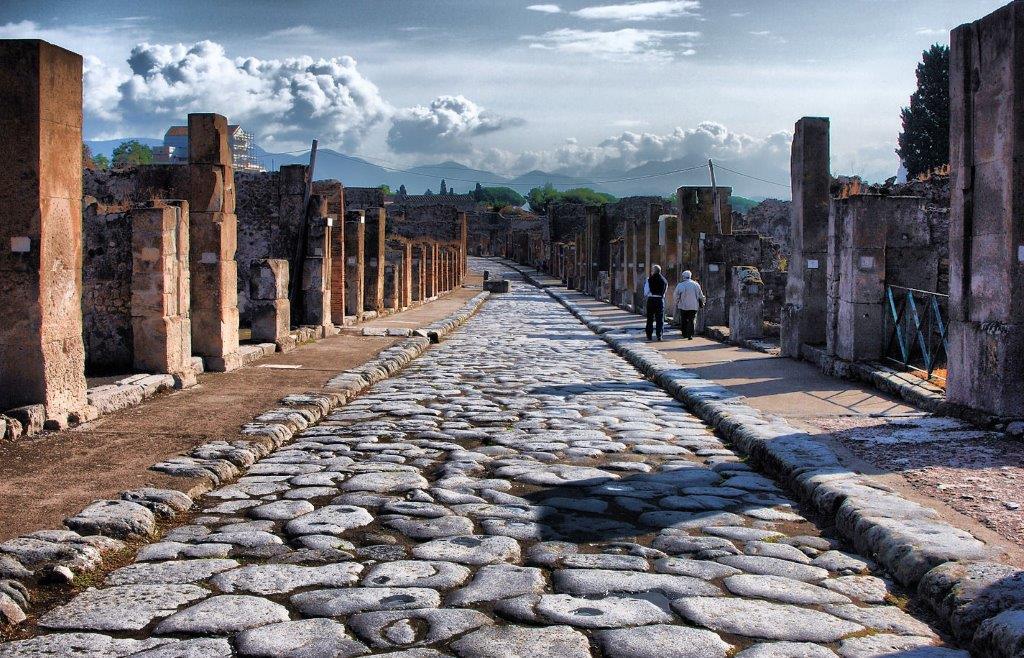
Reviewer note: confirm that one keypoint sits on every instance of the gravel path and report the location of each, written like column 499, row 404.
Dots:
column 519, row 490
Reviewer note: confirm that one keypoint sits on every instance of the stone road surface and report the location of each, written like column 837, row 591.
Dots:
column 518, row 490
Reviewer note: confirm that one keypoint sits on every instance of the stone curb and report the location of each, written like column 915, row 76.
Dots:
column 103, row 525
column 949, row 569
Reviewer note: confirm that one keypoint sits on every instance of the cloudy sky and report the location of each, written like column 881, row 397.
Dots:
column 579, row 85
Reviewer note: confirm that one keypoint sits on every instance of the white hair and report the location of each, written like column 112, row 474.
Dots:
column 687, row 274
column 655, row 268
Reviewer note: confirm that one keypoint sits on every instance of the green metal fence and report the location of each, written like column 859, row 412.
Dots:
column 916, row 329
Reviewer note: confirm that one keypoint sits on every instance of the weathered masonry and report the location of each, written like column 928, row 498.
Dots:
column 157, row 272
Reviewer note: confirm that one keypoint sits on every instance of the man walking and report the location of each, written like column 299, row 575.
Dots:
column 654, row 293
column 689, row 299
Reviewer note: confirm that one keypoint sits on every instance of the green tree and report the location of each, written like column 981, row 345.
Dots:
column 924, row 141
column 102, row 162
column 587, row 196
column 499, row 197
column 444, row 187
column 541, row 197
column 478, row 192
column 131, row 153
column 401, row 190
column 429, row 192
column 386, row 189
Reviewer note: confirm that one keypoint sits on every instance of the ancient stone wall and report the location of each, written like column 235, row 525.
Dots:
column 770, row 219
column 106, row 288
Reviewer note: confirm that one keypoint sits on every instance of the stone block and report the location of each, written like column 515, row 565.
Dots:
column 213, row 236
column 746, row 309
column 859, row 331
column 30, row 416
column 268, row 279
column 208, row 139
column 496, row 285
column 225, row 363
column 985, row 360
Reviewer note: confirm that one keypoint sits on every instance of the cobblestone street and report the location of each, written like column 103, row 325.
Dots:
column 518, row 490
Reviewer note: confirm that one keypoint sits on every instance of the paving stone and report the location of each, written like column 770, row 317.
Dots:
column 498, row 581
column 877, row 646
column 704, row 569
column 431, row 528
column 761, row 619
column 76, row 644
column 306, row 638
column 786, row 650
column 778, row 550
column 416, row 573
column 869, row 589
column 513, row 641
column 886, row 618
column 340, row 602
column 226, row 613
column 397, row 628
column 329, row 520
column 607, row 612
column 268, row 579
column 178, row 571
column 605, row 561
column 281, row 510
column 470, row 549
column 785, row 590
column 196, row 648
column 770, row 566
column 121, row 608
column 589, row 582
column 385, row 482
column 122, row 519
column 662, row 641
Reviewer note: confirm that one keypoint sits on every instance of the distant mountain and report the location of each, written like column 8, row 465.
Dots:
column 651, row 178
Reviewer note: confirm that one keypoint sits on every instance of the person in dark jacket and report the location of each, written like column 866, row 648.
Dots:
column 654, row 294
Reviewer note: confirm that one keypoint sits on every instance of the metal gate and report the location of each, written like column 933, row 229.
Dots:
column 916, row 330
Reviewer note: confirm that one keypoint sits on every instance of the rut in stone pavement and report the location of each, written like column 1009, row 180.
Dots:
column 518, row 490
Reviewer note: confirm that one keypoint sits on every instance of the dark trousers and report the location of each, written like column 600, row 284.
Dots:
column 686, row 322
column 655, row 313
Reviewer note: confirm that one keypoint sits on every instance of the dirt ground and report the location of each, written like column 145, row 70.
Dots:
column 48, row 477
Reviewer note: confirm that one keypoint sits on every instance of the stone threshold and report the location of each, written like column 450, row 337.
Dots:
column 950, row 571
column 103, row 527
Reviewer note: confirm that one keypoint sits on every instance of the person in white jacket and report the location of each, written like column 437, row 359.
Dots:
column 689, row 299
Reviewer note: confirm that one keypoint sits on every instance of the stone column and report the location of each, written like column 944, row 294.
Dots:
column 407, row 275
column 268, row 296
column 746, row 309
column 355, row 228
column 430, row 270
column 375, row 250
column 213, row 241
column 668, row 238
column 463, row 254
column 856, row 278
column 417, row 266
column 316, row 268
column 161, row 329
column 986, row 246
column 338, row 268
column 803, row 316
column 392, row 284
column 42, row 357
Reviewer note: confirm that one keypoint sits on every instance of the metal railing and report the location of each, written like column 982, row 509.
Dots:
column 916, row 329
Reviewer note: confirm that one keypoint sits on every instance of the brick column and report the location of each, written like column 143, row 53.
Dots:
column 668, row 238
column 407, row 275
column 416, row 267
column 392, row 284
column 42, row 357
column 161, row 328
column 375, row 250
column 803, row 316
column 355, row 228
column 316, row 268
column 429, row 270
column 268, row 296
column 213, row 240
column 463, row 254
column 986, row 246
column 697, row 216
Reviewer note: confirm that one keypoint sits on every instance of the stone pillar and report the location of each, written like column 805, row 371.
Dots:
column 856, row 278
column 392, row 284
column 338, row 269
column 268, row 297
column 355, row 228
column 746, row 310
column 463, row 254
column 417, row 266
column 316, row 268
column 407, row 276
column 803, row 316
column 986, row 246
column 161, row 329
column 376, row 254
column 42, row 357
column 668, row 239
column 213, row 241
column 429, row 270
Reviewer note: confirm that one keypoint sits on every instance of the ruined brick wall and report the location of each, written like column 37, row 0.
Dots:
column 566, row 220
column 487, row 232
column 440, row 222
column 257, row 207
column 462, row 202
column 363, row 198
column 106, row 288
column 770, row 219
column 917, row 244
column 774, row 295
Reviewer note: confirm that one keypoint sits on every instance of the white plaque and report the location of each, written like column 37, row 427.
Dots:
column 351, row 260
column 866, row 262
column 1020, row 254
column 812, row 263
column 373, row 262
column 21, row 245
column 713, row 267
column 703, row 235
column 208, row 257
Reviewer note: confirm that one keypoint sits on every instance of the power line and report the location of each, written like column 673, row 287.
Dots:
column 763, row 180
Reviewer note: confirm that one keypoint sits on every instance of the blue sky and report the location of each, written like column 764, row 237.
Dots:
column 577, row 86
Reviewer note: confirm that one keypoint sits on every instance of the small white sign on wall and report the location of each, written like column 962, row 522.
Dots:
column 866, row 262
column 351, row 260
column 812, row 263
column 208, row 257
column 21, row 245
column 713, row 267
column 1020, row 253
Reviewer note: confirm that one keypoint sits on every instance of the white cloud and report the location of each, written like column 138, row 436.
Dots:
column 625, row 45
column 284, row 102
column 446, row 126
column 293, row 32
column 932, row 32
column 640, row 11
column 546, row 9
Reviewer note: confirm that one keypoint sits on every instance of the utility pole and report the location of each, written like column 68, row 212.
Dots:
column 714, row 198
